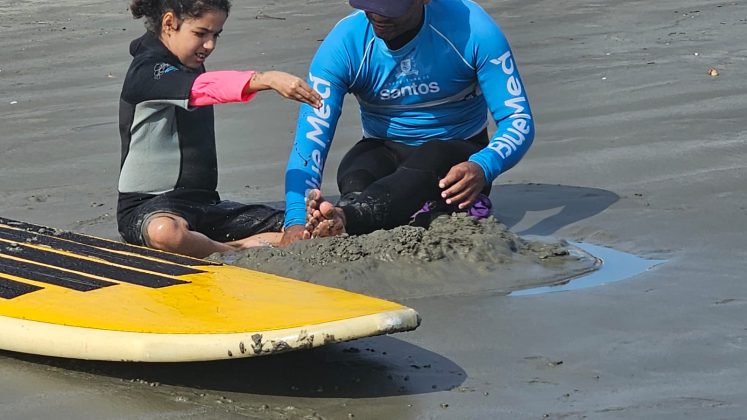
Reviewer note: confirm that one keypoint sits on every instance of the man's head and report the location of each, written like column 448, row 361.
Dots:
column 391, row 18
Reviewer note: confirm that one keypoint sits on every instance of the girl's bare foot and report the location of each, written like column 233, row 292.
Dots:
column 322, row 217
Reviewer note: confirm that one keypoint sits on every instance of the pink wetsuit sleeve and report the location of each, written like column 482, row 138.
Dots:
column 220, row 87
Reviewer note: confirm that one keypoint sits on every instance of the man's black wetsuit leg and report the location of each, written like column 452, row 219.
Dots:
column 369, row 160
column 371, row 203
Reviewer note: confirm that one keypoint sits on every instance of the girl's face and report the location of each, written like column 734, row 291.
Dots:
column 192, row 40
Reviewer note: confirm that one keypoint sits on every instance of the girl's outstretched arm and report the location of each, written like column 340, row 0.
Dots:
column 218, row 87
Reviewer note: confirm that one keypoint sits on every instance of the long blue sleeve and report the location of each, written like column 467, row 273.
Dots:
column 507, row 102
column 315, row 128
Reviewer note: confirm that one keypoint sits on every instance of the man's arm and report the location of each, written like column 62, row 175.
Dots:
column 508, row 105
column 314, row 132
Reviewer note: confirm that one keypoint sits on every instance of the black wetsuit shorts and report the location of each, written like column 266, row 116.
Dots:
column 219, row 220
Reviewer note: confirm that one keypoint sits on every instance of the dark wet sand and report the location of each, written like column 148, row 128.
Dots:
column 638, row 149
column 455, row 255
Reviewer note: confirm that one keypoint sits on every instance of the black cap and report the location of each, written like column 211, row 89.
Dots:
column 388, row 8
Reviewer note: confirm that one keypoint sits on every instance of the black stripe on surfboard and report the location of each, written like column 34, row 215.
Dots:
column 11, row 289
column 50, row 275
column 91, row 268
column 105, row 243
column 31, row 238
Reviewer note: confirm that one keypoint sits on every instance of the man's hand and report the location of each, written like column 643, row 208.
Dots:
column 462, row 184
column 292, row 234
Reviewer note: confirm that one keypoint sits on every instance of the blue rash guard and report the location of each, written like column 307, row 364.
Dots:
column 437, row 87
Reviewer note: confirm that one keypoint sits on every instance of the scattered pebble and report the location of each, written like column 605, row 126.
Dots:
column 713, row 72
column 13, row 102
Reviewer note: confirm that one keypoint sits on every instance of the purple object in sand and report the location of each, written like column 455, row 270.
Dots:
column 480, row 209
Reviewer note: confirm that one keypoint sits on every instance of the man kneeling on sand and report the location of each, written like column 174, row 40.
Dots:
column 425, row 74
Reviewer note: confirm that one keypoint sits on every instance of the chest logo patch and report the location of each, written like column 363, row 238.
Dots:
column 407, row 68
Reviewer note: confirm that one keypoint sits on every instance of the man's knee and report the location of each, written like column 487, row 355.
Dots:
column 436, row 156
column 355, row 181
column 165, row 231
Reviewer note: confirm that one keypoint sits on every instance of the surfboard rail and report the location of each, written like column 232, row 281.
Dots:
column 94, row 344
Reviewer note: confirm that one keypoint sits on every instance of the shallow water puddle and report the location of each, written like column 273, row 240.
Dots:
column 616, row 266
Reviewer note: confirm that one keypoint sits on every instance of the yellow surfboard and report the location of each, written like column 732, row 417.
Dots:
column 69, row 295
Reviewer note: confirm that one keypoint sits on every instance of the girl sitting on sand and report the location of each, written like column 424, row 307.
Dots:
column 168, row 173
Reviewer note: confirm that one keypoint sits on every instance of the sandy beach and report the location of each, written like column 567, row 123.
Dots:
column 640, row 147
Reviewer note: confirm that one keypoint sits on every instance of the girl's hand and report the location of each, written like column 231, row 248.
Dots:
column 287, row 85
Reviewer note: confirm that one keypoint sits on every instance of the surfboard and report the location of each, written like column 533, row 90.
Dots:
column 69, row 295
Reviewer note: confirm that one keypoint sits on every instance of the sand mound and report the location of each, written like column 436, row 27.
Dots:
column 457, row 254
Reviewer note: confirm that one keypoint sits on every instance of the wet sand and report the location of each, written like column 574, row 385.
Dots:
column 638, row 148
column 456, row 255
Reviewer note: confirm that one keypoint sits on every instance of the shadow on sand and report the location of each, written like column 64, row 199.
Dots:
column 542, row 209
column 366, row 368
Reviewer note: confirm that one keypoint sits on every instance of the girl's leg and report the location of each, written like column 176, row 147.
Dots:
column 260, row 239
column 169, row 232
column 242, row 225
